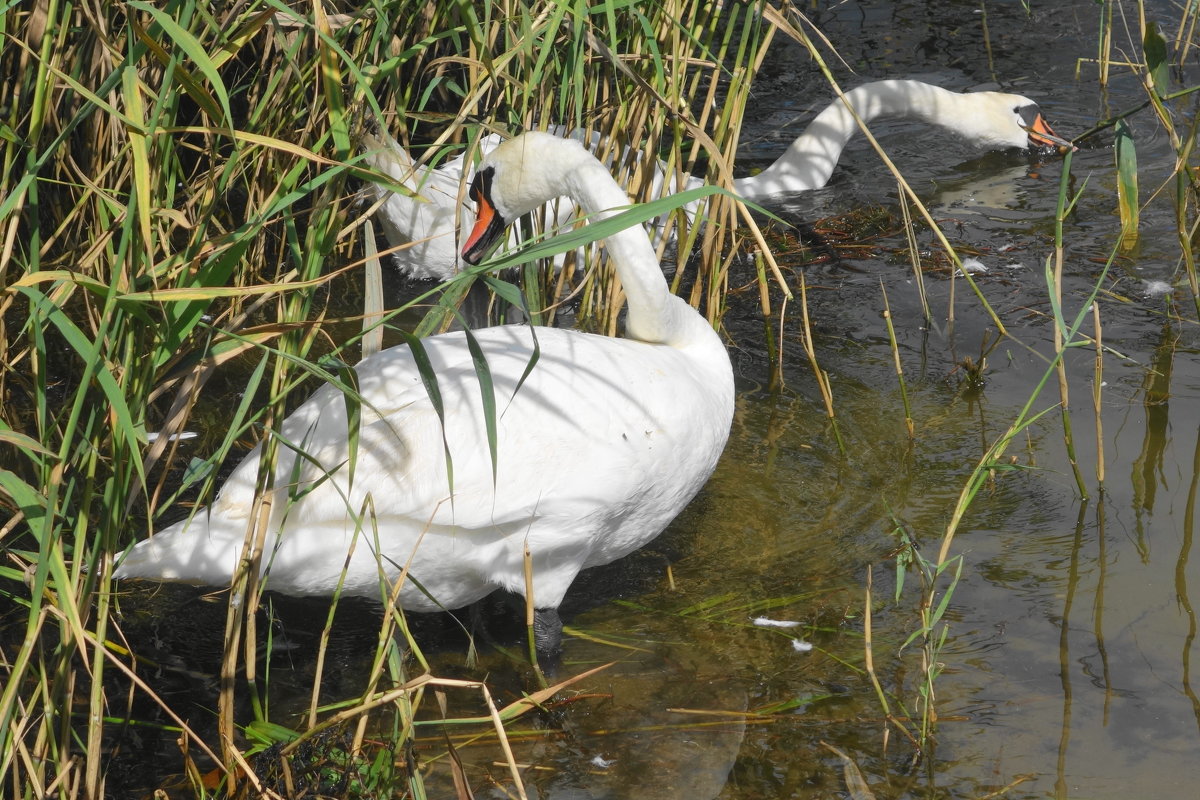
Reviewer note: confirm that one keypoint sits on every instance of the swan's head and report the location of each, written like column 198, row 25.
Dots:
column 518, row 176
column 1010, row 120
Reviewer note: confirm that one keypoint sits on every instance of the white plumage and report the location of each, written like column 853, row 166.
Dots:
column 597, row 451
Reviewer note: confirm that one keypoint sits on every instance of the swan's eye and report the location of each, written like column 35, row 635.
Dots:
column 1029, row 114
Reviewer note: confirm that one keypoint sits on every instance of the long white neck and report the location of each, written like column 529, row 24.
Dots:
column 810, row 160
column 655, row 315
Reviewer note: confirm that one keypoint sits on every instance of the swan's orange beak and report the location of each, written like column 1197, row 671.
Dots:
column 488, row 222
column 482, row 236
column 1041, row 135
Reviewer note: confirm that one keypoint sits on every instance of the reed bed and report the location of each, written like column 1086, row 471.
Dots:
column 180, row 204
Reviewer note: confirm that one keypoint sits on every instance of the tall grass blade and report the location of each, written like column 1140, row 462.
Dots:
column 373, row 306
column 430, row 381
column 173, row 32
column 487, row 392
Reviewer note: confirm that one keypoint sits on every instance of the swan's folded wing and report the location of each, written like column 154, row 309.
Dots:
column 578, row 426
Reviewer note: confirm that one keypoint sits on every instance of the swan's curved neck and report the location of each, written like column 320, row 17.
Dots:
column 655, row 315
column 810, row 160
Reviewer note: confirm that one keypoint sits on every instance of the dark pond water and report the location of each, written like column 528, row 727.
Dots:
column 1067, row 672
column 1067, row 669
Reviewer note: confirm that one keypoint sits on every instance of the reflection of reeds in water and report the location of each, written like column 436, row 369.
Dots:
column 1067, row 326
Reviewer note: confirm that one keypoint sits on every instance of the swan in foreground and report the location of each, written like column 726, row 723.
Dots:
column 988, row 120
column 599, row 442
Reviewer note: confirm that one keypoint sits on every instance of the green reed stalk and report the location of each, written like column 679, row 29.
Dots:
column 1157, row 82
column 932, row 631
column 821, row 375
column 1104, row 48
column 1185, row 32
column 987, row 40
column 914, row 256
column 772, row 340
column 1097, row 395
column 1055, row 283
column 1185, row 188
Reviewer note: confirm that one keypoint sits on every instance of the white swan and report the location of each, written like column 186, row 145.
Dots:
column 990, row 120
column 598, row 447
column 987, row 120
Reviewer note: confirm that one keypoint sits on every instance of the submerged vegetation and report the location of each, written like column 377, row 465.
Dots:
column 184, row 223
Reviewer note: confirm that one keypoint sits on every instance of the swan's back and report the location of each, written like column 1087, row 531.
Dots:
column 605, row 442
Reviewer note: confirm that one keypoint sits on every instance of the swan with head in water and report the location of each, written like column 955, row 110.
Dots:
column 599, row 442
column 988, row 120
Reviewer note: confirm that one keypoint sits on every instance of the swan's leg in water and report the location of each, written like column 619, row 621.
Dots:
column 547, row 631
